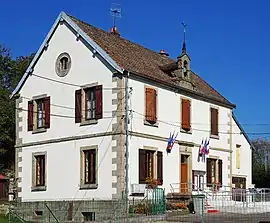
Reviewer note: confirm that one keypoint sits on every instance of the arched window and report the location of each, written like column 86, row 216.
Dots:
column 185, row 68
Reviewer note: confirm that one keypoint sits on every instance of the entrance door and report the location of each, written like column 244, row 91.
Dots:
column 184, row 174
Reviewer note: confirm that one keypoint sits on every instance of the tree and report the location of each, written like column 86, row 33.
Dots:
column 11, row 72
column 260, row 163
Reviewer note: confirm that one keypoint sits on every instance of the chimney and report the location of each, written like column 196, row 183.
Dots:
column 114, row 31
column 163, row 52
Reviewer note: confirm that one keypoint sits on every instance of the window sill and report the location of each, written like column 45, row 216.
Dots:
column 89, row 122
column 38, row 188
column 88, row 186
column 150, row 124
column 186, row 131
column 214, row 136
column 39, row 130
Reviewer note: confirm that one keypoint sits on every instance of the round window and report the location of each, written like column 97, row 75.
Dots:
column 63, row 64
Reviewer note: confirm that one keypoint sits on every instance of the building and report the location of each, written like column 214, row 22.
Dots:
column 70, row 120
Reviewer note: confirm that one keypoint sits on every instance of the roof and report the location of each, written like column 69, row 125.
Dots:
column 138, row 59
column 123, row 54
column 242, row 131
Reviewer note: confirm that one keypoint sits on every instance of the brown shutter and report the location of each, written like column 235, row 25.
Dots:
column 208, row 172
column 78, row 106
column 220, row 171
column 214, row 121
column 30, row 115
column 142, row 162
column 99, row 102
column 47, row 105
column 160, row 167
column 150, row 105
column 186, row 114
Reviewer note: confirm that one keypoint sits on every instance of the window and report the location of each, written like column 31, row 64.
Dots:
column 198, row 180
column 214, row 121
column 238, row 147
column 150, row 105
column 150, row 166
column 63, row 64
column 185, row 68
column 91, row 98
column 90, row 103
column 39, row 114
column 89, row 167
column 214, row 171
column 185, row 115
column 39, row 172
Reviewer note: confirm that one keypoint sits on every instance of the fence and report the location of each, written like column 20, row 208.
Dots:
column 208, row 207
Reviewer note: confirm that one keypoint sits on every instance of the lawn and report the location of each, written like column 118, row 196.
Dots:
column 3, row 219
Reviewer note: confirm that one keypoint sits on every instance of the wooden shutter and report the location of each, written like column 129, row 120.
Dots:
column 220, row 171
column 47, row 105
column 186, row 114
column 142, row 165
column 30, row 115
column 78, row 105
column 160, row 167
column 99, row 102
column 150, row 105
column 208, row 172
column 214, row 121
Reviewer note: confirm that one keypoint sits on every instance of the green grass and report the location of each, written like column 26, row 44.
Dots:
column 3, row 219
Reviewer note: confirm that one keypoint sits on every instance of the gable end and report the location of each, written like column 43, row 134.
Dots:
column 80, row 33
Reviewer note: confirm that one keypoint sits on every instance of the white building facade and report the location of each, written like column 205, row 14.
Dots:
column 70, row 121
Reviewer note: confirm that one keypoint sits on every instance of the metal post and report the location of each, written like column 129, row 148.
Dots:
column 202, row 210
column 127, row 141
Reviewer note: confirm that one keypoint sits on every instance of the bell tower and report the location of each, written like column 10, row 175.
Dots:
column 183, row 62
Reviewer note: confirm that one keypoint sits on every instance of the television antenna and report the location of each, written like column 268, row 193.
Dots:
column 116, row 12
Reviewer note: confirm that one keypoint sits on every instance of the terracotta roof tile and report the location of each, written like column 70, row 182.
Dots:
column 138, row 59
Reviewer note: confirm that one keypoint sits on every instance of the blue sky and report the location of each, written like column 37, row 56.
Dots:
column 228, row 41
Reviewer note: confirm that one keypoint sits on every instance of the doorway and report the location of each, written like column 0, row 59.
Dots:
column 184, row 174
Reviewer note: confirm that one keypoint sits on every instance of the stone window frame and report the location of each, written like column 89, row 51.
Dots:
column 82, row 168
column 34, row 187
column 59, row 72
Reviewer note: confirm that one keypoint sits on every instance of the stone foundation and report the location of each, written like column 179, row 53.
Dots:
column 67, row 211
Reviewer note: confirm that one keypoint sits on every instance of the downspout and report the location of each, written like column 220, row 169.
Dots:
column 231, row 148
column 127, row 140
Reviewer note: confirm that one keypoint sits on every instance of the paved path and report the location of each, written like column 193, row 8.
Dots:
column 222, row 217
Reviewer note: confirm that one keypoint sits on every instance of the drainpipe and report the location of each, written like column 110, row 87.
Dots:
column 127, row 139
column 231, row 149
